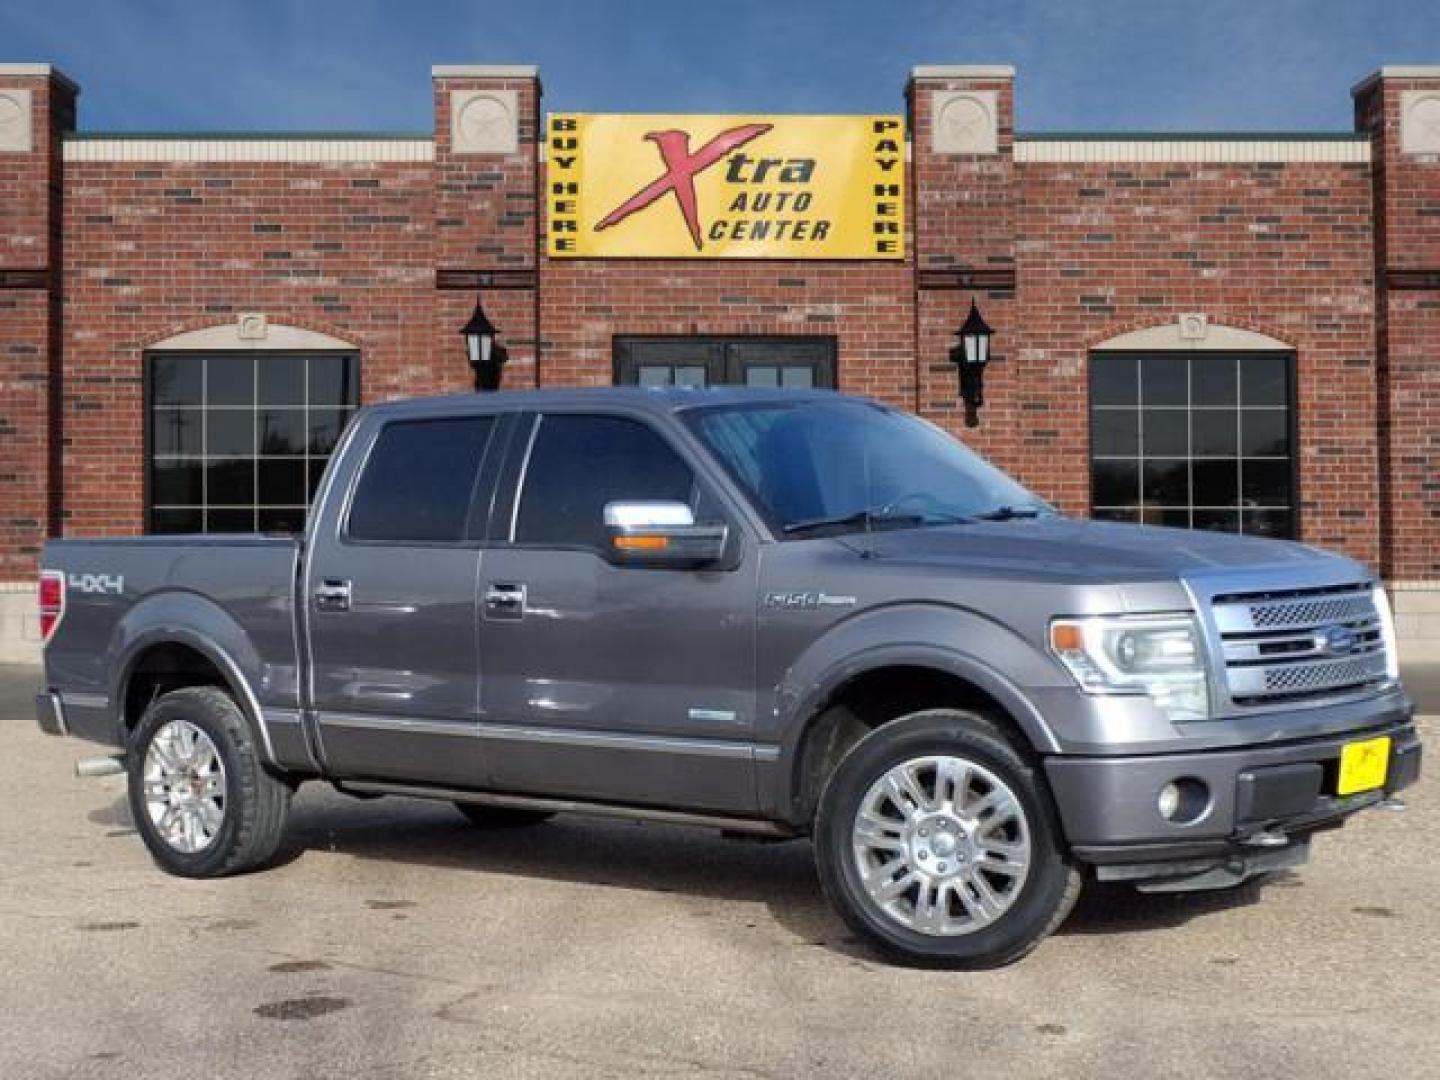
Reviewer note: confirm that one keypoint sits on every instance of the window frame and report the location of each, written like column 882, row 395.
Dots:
column 505, row 514
column 487, row 478
column 1292, row 427
column 147, row 424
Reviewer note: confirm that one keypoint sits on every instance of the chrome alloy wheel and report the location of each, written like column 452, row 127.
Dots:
column 184, row 787
column 941, row 845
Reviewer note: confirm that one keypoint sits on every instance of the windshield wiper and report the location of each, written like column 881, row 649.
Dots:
column 1011, row 513
column 871, row 519
column 867, row 518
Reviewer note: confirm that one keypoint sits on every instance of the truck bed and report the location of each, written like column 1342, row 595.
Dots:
column 237, row 591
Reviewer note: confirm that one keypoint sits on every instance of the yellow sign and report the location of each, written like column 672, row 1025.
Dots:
column 726, row 187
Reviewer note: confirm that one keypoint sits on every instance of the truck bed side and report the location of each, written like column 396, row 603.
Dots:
column 228, row 598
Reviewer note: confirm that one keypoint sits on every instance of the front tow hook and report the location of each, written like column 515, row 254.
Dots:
column 1266, row 838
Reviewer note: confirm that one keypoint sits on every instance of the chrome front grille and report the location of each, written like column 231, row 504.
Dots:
column 1299, row 643
column 1280, row 614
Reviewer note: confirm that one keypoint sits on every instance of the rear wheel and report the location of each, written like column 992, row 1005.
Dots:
column 937, row 841
column 200, row 797
column 502, row 817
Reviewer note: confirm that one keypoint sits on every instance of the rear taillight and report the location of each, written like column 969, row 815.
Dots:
column 52, row 602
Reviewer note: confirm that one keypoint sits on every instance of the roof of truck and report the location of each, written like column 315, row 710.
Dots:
column 665, row 399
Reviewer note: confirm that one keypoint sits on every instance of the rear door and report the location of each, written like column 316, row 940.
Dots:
column 390, row 589
column 616, row 683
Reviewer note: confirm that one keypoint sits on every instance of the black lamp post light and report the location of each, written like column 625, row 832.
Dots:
column 970, row 356
column 487, row 356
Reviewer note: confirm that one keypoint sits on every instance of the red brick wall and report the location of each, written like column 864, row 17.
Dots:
column 866, row 306
column 1280, row 249
column 1064, row 256
column 30, row 252
column 1101, row 249
column 486, row 217
column 157, row 248
column 1407, row 210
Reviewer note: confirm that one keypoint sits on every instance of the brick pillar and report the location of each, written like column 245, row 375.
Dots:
column 486, row 206
column 37, row 105
column 1400, row 108
column 964, row 209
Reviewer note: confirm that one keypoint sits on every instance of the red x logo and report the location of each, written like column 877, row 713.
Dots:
column 681, row 168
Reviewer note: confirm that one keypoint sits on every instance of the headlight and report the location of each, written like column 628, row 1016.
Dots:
column 1387, row 633
column 1157, row 655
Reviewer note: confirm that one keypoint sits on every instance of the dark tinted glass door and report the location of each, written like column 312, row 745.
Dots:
column 792, row 363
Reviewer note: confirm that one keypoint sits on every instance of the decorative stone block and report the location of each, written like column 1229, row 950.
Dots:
column 16, row 128
column 1420, row 122
column 965, row 122
column 252, row 326
column 1194, row 326
column 484, row 122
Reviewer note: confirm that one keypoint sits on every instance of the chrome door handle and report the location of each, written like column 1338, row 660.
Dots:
column 333, row 594
column 504, row 600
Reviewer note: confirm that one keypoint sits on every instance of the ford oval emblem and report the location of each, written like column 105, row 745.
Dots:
column 1335, row 640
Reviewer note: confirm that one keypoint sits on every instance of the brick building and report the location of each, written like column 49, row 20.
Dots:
column 1218, row 331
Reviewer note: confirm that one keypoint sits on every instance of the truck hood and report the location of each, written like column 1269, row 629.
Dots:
column 1083, row 550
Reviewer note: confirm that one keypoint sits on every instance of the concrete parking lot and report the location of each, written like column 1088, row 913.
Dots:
column 396, row 941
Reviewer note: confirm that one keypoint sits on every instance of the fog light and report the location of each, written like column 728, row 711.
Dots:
column 1170, row 801
column 1184, row 800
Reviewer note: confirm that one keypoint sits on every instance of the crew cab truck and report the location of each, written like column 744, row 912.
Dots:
column 782, row 613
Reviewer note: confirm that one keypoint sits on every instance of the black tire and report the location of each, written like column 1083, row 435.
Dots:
column 1040, row 903
column 255, row 806
column 502, row 817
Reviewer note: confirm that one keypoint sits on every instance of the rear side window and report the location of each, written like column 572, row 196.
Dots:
column 580, row 463
column 418, row 480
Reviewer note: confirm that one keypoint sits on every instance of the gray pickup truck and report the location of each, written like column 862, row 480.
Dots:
column 783, row 614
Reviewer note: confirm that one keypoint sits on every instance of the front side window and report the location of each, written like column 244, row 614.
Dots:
column 579, row 463
column 840, row 466
column 417, row 482
column 1193, row 440
column 238, row 442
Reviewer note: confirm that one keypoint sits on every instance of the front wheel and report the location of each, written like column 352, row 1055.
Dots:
column 937, row 841
column 200, row 797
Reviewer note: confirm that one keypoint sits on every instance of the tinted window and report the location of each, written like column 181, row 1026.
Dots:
column 580, row 463
column 417, row 482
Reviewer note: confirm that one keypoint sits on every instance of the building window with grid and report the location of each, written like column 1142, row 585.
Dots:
column 1200, row 440
column 236, row 442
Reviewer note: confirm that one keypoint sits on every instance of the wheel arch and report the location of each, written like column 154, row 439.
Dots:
column 156, row 648
column 882, row 684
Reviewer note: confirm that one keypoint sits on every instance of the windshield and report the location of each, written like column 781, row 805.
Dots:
column 824, row 467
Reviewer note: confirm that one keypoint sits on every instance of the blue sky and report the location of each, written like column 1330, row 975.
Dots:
column 364, row 64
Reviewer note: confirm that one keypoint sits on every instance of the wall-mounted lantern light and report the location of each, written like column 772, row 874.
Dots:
column 970, row 356
column 486, row 355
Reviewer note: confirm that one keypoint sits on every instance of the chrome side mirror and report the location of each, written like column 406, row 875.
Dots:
column 660, row 533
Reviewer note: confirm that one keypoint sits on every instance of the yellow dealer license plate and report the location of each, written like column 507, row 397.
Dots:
column 1363, row 765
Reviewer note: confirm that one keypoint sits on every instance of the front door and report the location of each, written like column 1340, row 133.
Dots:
column 614, row 683
column 799, row 363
